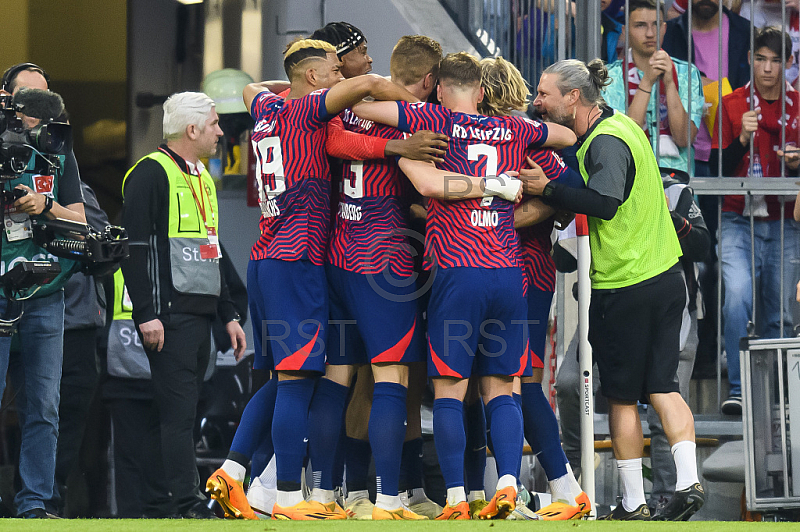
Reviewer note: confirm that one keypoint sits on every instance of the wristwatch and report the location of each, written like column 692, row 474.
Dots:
column 48, row 203
column 548, row 190
column 237, row 318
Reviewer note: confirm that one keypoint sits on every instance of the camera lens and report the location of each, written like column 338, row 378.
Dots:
column 49, row 138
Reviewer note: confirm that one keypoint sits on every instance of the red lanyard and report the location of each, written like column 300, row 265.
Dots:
column 200, row 204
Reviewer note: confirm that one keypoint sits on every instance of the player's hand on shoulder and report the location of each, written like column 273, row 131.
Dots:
column 426, row 146
column 533, row 178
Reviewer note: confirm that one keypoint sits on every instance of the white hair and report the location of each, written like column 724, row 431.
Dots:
column 184, row 109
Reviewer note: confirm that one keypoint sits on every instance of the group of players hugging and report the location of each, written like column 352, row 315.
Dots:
column 334, row 290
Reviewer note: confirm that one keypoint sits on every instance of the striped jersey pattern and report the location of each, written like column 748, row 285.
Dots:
column 293, row 177
column 370, row 229
column 473, row 233
column 534, row 240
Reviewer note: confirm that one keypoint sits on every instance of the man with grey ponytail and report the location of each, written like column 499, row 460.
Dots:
column 638, row 292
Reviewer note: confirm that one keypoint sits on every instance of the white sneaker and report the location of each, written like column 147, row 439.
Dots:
column 360, row 509
column 338, row 496
column 261, row 499
column 522, row 513
column 418, row 502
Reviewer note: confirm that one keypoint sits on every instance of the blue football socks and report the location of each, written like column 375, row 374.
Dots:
column 387, row 430
column 324, row 427
column 541, row 430
column 255, row 427
column 357, row 458
column 411, row 465
column 450, row 439
column 505, row 426
column 475, row 454
column 290, row 430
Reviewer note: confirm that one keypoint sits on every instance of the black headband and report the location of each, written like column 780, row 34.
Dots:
column 12, row 72
column 353, row 40
column 343, row 36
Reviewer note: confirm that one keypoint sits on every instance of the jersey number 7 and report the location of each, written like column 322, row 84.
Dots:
column 474, row 151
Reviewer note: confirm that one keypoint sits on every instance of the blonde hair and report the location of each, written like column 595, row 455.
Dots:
column 299, row 50
column 461, row 69
column 413, row 58
column 504, row 88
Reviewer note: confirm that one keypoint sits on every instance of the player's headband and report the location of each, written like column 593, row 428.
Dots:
column 345, row 37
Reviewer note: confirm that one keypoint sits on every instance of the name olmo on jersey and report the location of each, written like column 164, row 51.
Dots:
column 480, row 218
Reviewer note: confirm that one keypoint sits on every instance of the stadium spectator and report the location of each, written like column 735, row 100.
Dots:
column 758, row 122
column 769, row 13
column 650, row 68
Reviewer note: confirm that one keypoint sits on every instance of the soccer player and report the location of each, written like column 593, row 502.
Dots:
column 288, row 288
column 374, row 314
column 350, row 145
column 252, row 439
column 477, row 292
column 505, row 92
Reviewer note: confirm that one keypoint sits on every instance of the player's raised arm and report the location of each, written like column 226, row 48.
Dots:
column 380, row 112
column 349, row 92
column 444, row 185
column 559, row 137
column 254, row 89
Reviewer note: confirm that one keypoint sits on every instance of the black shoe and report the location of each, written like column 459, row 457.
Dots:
column 38, row 513
column 684, row 504
column 642, row 513
column 199, row 511
column 732, row 406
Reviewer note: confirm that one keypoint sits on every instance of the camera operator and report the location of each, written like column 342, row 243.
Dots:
column 35, row 362
column 174, row 281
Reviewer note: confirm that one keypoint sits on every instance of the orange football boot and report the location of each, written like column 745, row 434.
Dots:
column 230, row 495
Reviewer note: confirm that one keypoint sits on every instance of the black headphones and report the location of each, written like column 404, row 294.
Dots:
column 11, row 73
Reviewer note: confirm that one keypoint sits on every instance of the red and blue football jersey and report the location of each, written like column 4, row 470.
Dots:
column 371, row 229
column 293, row 177
column 475, row 233
column 534, row 240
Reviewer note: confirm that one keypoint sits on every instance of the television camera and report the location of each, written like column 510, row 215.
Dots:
column 18, row 141
column 22, row 145
column 99, row 251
